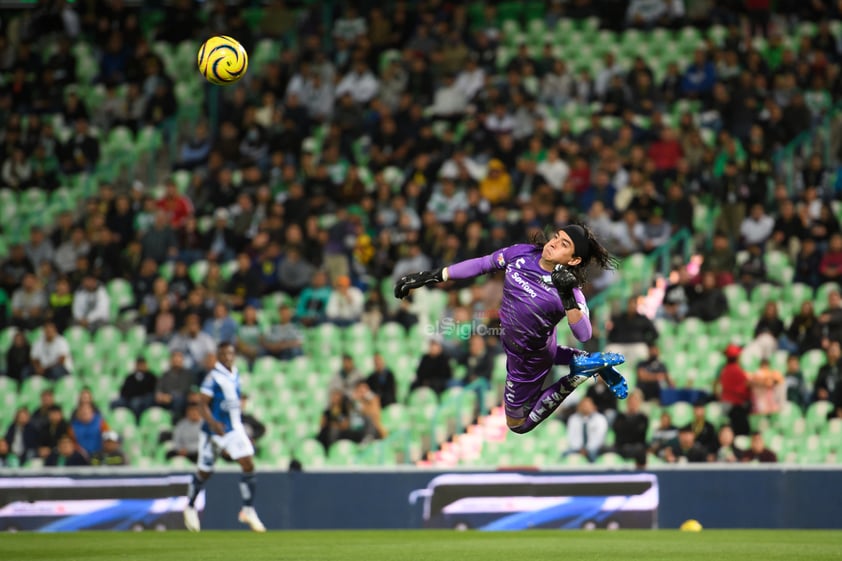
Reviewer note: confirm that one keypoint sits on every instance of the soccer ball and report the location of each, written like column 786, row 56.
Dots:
column 222, row 60
column 691, row 526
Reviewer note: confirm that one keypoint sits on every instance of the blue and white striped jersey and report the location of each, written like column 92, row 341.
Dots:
column 223, row 387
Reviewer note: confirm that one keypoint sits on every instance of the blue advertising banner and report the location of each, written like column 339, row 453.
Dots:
column 67, row 503
column 745, row 497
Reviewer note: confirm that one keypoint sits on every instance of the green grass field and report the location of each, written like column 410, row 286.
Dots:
column 422, row 545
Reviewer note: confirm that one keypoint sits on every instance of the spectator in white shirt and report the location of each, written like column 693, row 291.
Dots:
column 449, row 101
column 298, row 83
column 603, row 79
column 554, row 170
column 360, row 83
column 319, row 98
column 472, row 78
column 556, row 85
column 646, row 13
column 345, row 304
column 462, row 167
column 51, row 354
column 757, row 227
column 350, row 26
column 446, row 200
column 586, row 430
column 500, row 121
column 91, row 304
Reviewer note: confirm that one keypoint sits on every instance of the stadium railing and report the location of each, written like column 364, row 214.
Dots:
column 818, row 138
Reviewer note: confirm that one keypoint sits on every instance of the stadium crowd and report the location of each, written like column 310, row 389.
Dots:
column 384, row 141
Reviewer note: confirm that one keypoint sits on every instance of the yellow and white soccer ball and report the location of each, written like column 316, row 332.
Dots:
column 222, row 60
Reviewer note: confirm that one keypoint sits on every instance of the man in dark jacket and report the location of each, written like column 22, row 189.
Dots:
column 434, row 369
column 138, row 389
column 382, row 382
column 709, row 302
column 630, row 430
column 705, row 432
column 631, row 333
column 50, row 434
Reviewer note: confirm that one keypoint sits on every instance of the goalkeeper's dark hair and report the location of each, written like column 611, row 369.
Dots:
column 596, row 256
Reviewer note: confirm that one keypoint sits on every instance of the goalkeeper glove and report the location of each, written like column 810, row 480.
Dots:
column 565, row 282
column 417, row 280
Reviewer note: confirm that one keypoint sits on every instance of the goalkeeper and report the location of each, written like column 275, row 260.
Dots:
column 542, row 285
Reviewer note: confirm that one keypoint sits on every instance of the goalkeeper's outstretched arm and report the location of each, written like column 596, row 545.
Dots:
column 467, row 269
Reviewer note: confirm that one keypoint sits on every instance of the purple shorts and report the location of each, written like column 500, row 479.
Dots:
column 525, row 375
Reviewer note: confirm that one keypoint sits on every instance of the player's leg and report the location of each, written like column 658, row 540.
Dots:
column 524, row 385
column 248, row 515
column 239, row 448
column 206, row 459
column 518, row 415
column 545, row 401
column 529, row 397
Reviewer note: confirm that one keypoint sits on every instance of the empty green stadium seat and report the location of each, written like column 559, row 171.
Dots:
column 798, row 293
column 157, row 355
column 9, row 399
column 6, row 337
column 423, row 396
column 343, row 453
column 817, row 414
column 811, row 362
column 822, row 293
column 106, row 337
column 763, row 293
column 682, row 413
column 149, row 140
column 310, row 453
column 135, row 338
column 120, row 418
column 395, row 417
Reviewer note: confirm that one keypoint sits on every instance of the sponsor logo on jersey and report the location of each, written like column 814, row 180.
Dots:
column 501, row 260
column 524, row 285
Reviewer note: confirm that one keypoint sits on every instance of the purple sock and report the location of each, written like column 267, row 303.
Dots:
column 549, row 402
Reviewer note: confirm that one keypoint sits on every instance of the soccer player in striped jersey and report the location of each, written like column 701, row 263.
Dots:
column 223, row 433
column 541, row 285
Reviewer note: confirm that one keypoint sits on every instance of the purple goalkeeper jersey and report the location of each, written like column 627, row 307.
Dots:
column 531, row 306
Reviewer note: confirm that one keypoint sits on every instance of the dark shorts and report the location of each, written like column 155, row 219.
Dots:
column 525, row 377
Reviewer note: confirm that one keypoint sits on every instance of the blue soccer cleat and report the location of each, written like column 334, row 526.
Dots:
column 615, row 382
column 593, row 363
